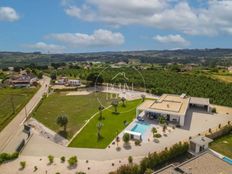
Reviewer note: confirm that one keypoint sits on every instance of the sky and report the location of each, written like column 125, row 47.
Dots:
column 58, row 26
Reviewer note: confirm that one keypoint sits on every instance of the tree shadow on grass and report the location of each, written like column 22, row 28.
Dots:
column 116, row 113
column 100, row 138
column 63, row 134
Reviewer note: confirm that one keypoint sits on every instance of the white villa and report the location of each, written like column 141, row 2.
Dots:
column 172, row 107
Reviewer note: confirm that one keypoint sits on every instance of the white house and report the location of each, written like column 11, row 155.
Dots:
column 230, row 69
column 172, row 107
column 23, row 81
column 74, row 82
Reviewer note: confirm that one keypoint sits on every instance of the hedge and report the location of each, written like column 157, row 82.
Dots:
column 6, row 157
column 154, row 160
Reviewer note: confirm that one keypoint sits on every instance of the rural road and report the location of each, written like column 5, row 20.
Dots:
column 9, row 132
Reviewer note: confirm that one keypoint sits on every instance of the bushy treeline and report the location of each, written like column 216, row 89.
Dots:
column 6, row 157
column 221, row 132
column 154, row 160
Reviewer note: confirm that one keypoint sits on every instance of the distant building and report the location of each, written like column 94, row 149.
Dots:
column 134, row 61
column 1, row 83
column 187, row 68
column 172, row 107
column 23, row 81
column 68, row 82
column 121, row 63
column 11, row 68
column 230, row 69
column 74, row 82
column 62, row 81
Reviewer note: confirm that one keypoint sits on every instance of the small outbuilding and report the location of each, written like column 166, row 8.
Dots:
column 200, row 102
column 199, row 144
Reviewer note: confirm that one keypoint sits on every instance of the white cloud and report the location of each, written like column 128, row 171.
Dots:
column 8, row 14
column 211, row 19
column 100, row 38
column 44, row 47
column 172, row 39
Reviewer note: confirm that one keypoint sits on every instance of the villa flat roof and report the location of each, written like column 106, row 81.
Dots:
column 199, row 101
column 201, row 140
column 167, row 104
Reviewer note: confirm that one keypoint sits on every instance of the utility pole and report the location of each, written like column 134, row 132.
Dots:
column 12, row 104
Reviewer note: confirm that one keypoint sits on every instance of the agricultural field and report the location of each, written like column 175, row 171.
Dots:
column 227, row 79
column 223, row 145
column 166, row 81
column 77, row 108
column 112, row 123
column 12, row 101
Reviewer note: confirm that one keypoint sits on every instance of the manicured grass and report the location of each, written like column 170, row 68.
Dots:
column 223, row 145
column 112, row 123
column 13, row 98
column 77, row 108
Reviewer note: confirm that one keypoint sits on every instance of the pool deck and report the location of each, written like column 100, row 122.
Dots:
column 145, row 135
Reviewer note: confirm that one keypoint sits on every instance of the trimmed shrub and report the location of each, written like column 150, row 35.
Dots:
column 148, row 171
column 62, row 159
column 72, row 161
column 50, row 159
column 137, row 142
column 214, row 110
column 154, row 130
column 130, row 160
column 22, row 164
column 154, row 160
column 126, row 138
column 128, row 169
column 157, row 135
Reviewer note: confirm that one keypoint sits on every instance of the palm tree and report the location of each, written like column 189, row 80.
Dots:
column 123, row 99
column 161, row 120
column 115, row 105
column 99, row 127
column 164, row 128
column 62, row 121
column 100, row 108
column 143, row 97
column 117, row 138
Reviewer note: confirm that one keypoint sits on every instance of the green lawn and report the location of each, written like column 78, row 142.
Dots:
column 112, row 123
column 223, row 145
column 77, row 108
column 13, row 100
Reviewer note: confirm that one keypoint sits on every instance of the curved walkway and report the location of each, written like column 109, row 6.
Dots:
column 200, row 122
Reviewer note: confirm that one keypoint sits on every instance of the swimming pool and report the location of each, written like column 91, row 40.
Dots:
column 228, row 160
column 140, row 128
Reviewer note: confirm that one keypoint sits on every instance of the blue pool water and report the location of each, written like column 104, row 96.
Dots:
column 228, row 160
column 140, row 128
